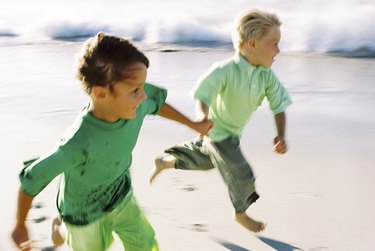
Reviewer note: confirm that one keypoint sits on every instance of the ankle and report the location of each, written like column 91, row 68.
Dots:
column 165, row 161
column 56, row 221
column 240, row 215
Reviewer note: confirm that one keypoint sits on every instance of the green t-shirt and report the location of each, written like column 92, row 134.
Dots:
column 234, row 89
column 94, row 159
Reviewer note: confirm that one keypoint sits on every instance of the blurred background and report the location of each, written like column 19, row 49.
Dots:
column 318, row 26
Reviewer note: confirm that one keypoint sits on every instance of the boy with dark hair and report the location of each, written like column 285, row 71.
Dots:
column 95, row 195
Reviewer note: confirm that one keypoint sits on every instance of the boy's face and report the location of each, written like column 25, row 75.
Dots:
column 266, row 48
column 122, row 102
column 128, row 94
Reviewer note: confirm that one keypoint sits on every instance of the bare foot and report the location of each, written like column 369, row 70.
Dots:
column 249, row 223
column 162, row 163
column 58, row 236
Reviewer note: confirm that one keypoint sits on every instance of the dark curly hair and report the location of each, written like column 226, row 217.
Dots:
column 103, row 59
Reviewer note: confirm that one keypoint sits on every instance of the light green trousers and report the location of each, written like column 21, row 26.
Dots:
column 127, row 221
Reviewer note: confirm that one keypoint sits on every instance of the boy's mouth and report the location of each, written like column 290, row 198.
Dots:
column 136, row 107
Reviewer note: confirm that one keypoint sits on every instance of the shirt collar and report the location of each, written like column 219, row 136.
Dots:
column 245, row 65
column 89, row 117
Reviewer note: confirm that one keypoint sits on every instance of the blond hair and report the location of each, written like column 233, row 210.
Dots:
column 253, row 23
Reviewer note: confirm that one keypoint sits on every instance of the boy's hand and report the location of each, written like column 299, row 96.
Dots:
column 20, row 237
column 203, row 126
column 280, row 145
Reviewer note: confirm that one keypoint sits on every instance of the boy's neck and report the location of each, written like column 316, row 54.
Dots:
column 100, row 112
column 249, row 58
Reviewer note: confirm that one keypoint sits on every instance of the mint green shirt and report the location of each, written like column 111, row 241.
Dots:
column 94, row 159
column 234, row 89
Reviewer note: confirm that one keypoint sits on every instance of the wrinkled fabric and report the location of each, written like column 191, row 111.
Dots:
column 226, row 156
column 127, row 221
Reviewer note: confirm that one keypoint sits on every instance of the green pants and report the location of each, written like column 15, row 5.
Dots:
column 225, row 155
column 127, row 221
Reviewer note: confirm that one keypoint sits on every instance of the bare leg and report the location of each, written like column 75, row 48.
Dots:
column 58, row 236
column 249, row 223
column 162, row 163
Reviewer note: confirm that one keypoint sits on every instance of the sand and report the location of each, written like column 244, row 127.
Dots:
column 318, row 196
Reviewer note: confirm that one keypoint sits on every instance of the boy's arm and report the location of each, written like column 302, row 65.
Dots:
column 201, row 110
column 171, row 113
column 280, row 145
column 20, row 234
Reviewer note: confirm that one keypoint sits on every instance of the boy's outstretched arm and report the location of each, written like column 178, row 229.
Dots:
column 202, row 126
column 20, row 234
column 201, row 109
column 280, row 145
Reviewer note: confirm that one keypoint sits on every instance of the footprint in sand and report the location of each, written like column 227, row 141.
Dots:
column 197, row 227
column 37, row 205
column 43, row 246
column 313, row 195
column 39, row 220
column 189, row 188
column 48, row 249
column 175, row 181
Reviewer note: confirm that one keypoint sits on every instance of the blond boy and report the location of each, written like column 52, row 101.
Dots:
column 228, row 94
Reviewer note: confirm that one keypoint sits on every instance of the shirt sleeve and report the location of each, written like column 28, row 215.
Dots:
column 210, row 85
column 156, row 97
column 39, row 172
column 277, row 95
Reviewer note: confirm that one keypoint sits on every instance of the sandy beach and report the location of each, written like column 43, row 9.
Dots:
column 316, row 197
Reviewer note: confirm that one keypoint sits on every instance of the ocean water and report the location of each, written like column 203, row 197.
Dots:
column 319, row 26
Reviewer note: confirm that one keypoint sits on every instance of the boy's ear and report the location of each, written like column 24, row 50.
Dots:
column 251, row 43
column 99, row 92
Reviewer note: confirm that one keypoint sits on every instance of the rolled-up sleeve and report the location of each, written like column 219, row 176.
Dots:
column 276, row 94
column 156, row 97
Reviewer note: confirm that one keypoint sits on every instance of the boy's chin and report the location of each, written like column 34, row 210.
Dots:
column 268, row 65
column 130, row 116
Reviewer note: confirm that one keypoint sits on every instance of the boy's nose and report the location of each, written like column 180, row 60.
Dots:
column 144, row 95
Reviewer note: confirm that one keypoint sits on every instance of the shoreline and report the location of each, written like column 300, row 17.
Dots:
column 209, row 47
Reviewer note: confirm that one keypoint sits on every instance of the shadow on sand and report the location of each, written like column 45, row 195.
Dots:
column 231, row 246
column 278, row 245
column 48, row 249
